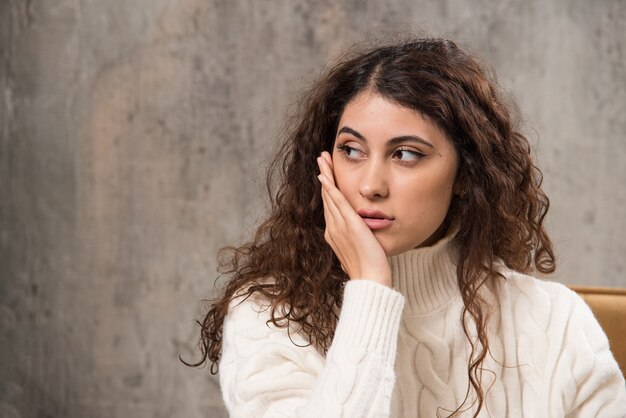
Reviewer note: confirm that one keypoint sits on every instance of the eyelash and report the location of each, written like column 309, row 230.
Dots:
column 344, row 149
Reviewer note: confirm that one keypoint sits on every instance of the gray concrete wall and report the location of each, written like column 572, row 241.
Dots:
column 134, row 138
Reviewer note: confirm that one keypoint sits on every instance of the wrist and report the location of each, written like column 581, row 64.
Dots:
column 384, row 279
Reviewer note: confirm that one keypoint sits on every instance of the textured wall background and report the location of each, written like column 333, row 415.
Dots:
column 134, row 138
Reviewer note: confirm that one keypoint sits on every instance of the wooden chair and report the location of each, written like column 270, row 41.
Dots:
column 609, row 307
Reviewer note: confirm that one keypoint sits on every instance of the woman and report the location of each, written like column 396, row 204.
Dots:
column 394, row 283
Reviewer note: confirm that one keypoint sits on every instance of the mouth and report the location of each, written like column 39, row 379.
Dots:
column 374, row 214
column 375, row 219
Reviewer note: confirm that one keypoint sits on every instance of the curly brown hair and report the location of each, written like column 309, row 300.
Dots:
column 500, row 214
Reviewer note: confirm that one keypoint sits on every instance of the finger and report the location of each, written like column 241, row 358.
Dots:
column 327, row 214
column 330, row 223
column 330, row 205
column 331, row 213
column 329, row 159
column 326, row 155
column 338, row 204
column 326, row 168
column 321, row 163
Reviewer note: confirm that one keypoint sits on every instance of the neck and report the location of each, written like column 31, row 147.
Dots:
column 426, row 276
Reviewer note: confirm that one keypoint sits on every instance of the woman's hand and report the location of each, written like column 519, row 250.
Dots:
column 356, row 247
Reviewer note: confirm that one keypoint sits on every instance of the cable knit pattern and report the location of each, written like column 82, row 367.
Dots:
column 264, row 374
column 402, row 352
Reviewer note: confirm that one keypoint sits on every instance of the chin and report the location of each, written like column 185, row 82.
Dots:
column 392, row 253
column 391, row 250
column 395, row 248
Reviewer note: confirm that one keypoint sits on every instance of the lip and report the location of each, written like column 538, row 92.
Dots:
column 374, row 223
column 368, row 213
column 375, row 219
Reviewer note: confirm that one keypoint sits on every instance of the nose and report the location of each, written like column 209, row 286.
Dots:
column 373, row 183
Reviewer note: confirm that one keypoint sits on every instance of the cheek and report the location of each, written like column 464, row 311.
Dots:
column 428, row 194
column 345, row 180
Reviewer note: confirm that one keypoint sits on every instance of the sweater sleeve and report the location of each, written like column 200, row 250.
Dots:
column 266, row 371
column 593, row 383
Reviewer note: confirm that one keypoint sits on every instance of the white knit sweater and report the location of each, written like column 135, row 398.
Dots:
column 402, row 352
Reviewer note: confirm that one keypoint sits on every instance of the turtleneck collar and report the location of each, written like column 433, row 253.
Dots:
column 426, row 276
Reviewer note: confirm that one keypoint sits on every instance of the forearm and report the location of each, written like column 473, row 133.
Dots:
column 270, row 376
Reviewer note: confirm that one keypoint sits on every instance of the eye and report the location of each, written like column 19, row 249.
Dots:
column 407, row 154
column 349, row 152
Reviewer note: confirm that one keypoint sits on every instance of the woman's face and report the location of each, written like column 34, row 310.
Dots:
column 390, row 159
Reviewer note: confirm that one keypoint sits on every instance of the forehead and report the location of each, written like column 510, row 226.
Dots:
column 378, row 119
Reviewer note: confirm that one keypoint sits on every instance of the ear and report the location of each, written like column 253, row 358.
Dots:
column 460, row 184
column 459, row 188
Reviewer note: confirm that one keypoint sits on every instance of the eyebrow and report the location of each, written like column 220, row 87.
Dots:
column 391, row 142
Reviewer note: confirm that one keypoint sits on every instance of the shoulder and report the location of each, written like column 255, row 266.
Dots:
column 264, row 367
column 249, row 320
column 570, row 344
column 520, row 286
column 549, row 305
column 551, row 319
column 528, row 284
